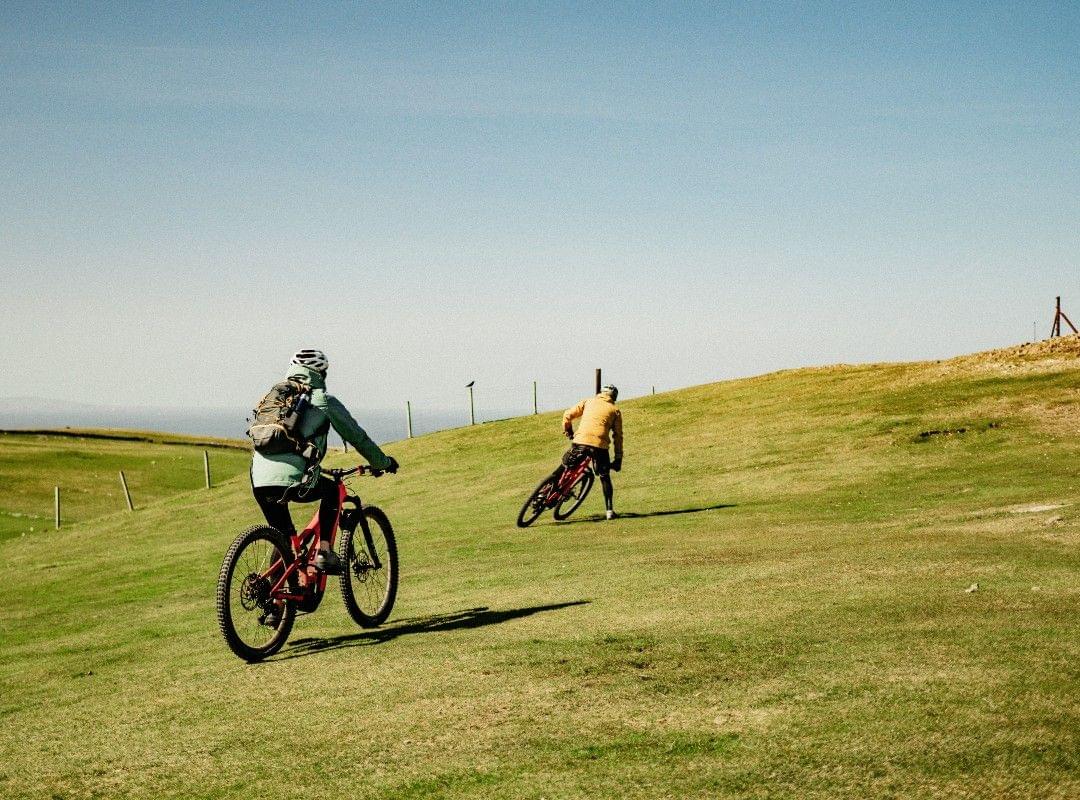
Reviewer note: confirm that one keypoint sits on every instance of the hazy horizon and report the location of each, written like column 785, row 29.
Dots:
column 382, row 423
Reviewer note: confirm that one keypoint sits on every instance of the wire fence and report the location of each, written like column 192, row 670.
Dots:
column 483, row 402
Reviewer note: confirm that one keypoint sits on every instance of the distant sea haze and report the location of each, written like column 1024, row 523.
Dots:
column 382, row 426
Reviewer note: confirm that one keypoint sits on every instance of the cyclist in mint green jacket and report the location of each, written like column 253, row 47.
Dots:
column 277, row 480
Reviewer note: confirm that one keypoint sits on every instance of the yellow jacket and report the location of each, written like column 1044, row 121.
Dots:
column 598, row 416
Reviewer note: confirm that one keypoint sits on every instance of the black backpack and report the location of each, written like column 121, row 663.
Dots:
column 275, row 421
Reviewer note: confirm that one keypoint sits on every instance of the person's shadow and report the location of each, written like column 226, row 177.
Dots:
column 644, row 514
column 435, row 623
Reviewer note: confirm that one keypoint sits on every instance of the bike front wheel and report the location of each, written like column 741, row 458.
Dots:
column 369, row 582
column 244, row 602
column 535, row 505
column 575, row 496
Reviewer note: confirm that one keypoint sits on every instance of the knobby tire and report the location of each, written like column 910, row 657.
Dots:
column 243, row 634
column 531, row 511
column 368, row 593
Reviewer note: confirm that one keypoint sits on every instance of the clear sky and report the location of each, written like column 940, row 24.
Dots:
column 439, row 193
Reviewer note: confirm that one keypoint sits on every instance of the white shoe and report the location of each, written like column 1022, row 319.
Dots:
column 610, row 514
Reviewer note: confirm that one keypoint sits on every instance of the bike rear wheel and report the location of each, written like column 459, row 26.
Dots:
column 243, row 594
column 575, row 496
column 535, row 505
column 370, row 580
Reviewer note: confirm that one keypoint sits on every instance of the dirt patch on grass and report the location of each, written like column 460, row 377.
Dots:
column 1060, row 534
column 1060, row 353
column 1036, row 508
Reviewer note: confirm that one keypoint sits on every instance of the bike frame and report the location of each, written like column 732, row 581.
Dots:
column 569, row 477
column 305, row 545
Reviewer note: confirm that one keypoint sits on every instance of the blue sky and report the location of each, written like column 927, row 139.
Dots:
column 515, row 192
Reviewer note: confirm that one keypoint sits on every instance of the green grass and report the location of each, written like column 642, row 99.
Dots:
column 86, row 465
column 782, row 613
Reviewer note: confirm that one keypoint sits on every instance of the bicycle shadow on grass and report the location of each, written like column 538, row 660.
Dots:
column 465, row 619
column 646, row 514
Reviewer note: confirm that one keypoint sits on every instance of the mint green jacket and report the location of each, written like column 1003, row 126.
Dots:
column 287, row 469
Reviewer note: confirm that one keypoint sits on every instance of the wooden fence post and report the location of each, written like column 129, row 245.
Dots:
column 472, row 407
column 56, row 506
column 127, row 494
column 598, row 380
column 206, row 467
column 536, row 409
column 408, row 416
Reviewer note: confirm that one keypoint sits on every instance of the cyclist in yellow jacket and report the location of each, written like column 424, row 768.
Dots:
column 601, row 424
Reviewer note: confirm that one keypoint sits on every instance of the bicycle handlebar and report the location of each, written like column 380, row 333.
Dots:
column 359, row 469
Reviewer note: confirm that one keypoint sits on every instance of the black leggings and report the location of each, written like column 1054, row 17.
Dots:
column 609, row 491
column 274, row 502
column 601, row 463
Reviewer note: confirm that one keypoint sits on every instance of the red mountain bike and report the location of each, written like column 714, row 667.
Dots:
column 266, row 577
column 563, row 494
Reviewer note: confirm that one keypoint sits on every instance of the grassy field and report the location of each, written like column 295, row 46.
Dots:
column 85, row 465
column 783, row 610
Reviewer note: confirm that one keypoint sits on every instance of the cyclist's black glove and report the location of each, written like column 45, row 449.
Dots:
column 617, row 465
column 392, row 467
column 569, row 433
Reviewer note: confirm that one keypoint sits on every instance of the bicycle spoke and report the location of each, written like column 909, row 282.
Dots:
column 245, row 594
column 368, row 591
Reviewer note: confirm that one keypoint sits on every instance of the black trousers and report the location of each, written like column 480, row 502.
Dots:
column 274, row 502
column 601, row 463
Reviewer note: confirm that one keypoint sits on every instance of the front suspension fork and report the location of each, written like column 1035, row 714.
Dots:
column 372, row 551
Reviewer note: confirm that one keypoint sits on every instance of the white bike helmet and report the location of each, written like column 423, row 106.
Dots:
column 312, row 359
column 612, row 390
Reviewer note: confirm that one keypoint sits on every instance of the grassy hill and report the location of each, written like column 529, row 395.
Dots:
column 85, row 464
column 782, row 611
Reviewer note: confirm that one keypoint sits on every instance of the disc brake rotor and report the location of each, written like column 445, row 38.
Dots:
column 254, row 592
column 362, row 567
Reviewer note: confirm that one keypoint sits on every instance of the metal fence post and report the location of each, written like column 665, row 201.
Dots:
column 56, row 506
column 408, row 416
column 206, row 467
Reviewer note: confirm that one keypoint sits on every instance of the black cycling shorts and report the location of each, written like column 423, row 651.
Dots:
column 600, row 456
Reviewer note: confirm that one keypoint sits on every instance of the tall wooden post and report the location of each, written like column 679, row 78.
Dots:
column 472, row 407
column 127, row 494
column 56, row 506
column 598, row 380
column 408, row 417
column 1059, row 315
column 206, row 467
column 536, row 408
